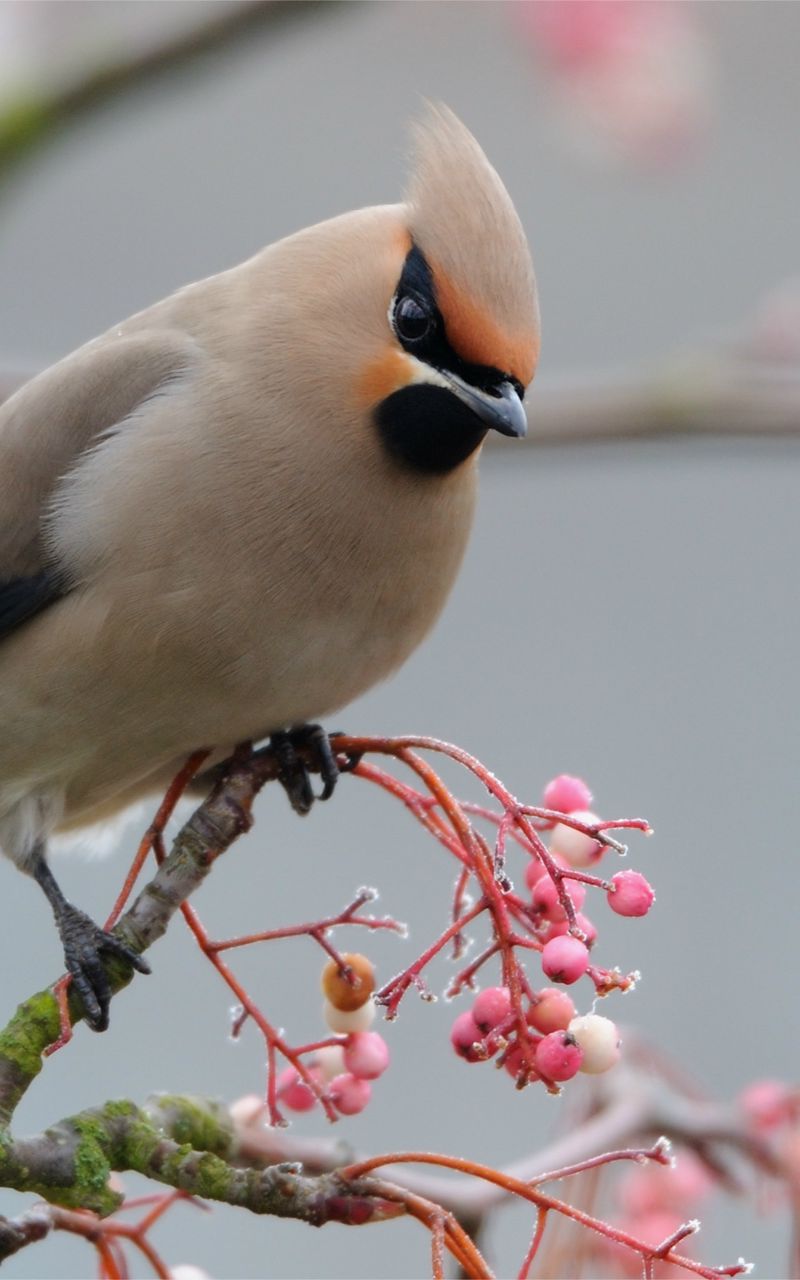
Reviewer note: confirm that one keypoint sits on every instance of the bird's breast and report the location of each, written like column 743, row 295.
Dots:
column 340, row 605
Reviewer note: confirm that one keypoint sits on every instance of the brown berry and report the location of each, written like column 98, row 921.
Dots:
column 352, row 989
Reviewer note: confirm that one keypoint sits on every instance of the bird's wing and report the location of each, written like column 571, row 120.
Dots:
column 45, row 429
column 21, row 598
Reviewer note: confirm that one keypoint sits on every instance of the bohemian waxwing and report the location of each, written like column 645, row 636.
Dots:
column 239, row 509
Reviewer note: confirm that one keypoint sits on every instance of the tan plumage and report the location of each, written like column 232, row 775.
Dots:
column 231, row 546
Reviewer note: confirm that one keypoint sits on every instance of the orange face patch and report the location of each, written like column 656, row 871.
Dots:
column 478, row 338
column 384, row 375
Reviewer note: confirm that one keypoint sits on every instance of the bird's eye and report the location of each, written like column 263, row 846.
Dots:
column 412, row 319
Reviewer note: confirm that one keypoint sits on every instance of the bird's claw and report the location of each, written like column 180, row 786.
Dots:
column 84, row 944
column 295, row 768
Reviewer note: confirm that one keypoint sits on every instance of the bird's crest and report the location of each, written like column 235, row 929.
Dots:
column 463, row 220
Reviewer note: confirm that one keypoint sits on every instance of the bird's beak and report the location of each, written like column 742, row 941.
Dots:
column 500, row 409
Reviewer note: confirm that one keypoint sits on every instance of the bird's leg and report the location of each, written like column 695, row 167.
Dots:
column 84, row 943
column 294, row 773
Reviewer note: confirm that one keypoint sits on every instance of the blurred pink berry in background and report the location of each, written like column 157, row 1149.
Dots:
column 680, row 1188
column 366, row 1055
column 656, row 1200
column 349, row 1095
column 632, row 80
column 652, row 1227
column 768, row 1104
column 293, row 1092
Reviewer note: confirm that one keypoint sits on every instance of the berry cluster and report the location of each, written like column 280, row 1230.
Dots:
column 343, row 1067
column 553, row 1042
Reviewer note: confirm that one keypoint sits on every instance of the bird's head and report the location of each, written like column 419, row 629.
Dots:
column 461, row 332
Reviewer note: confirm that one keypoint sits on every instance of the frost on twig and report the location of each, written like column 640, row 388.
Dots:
column 204, row 1151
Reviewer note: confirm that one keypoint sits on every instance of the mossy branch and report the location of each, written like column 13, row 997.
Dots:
column 198, row 1149
column 185, row 1143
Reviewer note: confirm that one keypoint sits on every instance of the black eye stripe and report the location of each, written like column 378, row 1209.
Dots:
column 416, row 281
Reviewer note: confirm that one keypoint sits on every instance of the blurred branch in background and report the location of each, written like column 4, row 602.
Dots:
column 745, row 385
column 640, row 74
column 733, row 390
column 701, row 395
column 632, row 84
column 47, row 98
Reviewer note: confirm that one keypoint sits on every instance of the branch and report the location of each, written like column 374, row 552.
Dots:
column 723, row 393
column 637, row 1108
column 27, row 125
column 28, row 1228
column 194, row 1148
column 212, row 828
column 185, row 1143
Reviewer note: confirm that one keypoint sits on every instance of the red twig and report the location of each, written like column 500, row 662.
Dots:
column 108, row 1235
column 318, row 928
column 526, row 1191
column 152, row 840
column 533, row 1248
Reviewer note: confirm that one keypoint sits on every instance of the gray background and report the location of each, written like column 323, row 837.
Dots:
column 627, row 612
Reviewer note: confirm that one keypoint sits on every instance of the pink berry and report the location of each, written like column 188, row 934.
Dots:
column 559, row 927
column 631, row 894
column 536, row 869
column 551, row 1011
column 579, row 850
column 545, row 897
column 491, row 1007
column 564, row 959
column 585, row 925
column 464, row 1034
column 558, row 1056
column 654, row 1227
column 366, row 1055
column 516, row 1063
column 546, row 901
column 565, row 794
column 513, row 1061
column 348, row 1094
column 293, row 1092
column 768, row 1104
column 533, row 872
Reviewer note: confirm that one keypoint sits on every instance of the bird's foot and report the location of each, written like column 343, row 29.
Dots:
column 299, row 753
column 85, row 944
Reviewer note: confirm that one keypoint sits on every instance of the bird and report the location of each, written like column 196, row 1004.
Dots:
column 229, row 515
